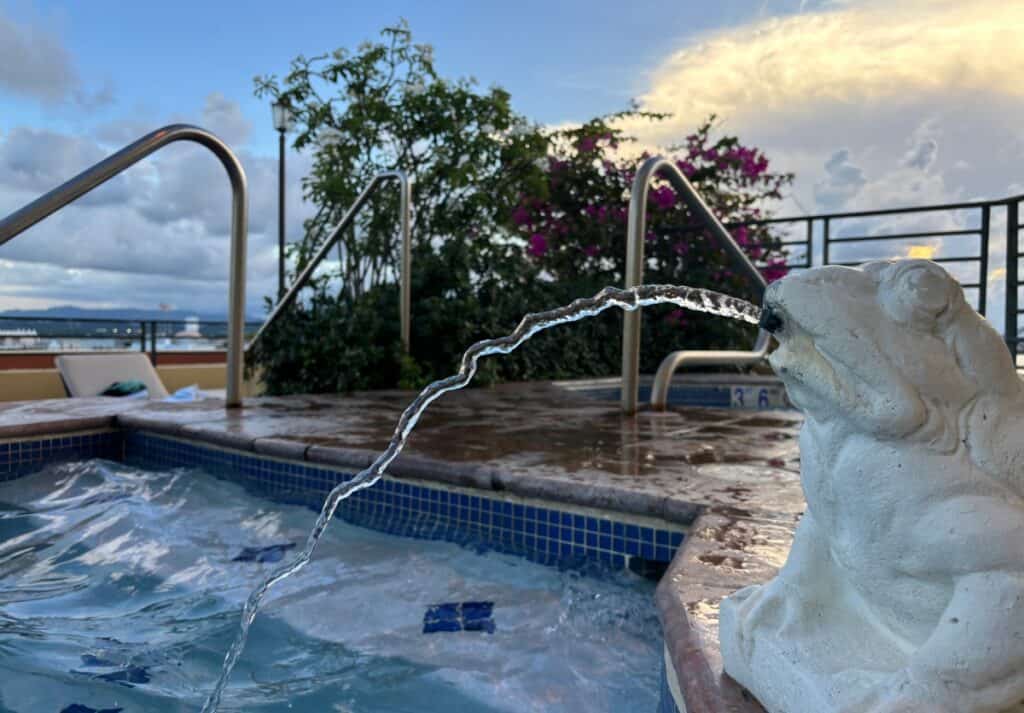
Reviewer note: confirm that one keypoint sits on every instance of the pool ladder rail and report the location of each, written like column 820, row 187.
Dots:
column 637, row 227
column 116, row 163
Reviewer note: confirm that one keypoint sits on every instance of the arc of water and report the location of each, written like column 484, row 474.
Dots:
column 692, row 298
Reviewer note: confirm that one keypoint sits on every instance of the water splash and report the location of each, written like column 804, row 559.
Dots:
column 691, row 298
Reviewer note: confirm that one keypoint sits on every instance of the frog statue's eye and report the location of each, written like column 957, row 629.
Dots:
column 918, row 293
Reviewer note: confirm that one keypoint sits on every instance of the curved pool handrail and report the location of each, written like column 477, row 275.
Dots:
column 637, row 227
column 702, row 357
column 116, row 163
column 405, row 208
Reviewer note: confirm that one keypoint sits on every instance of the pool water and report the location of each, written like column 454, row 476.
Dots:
column 120, row 589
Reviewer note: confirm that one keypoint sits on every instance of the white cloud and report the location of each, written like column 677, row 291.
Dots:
column 224, row 117
column 842, row 182
column 157, row 233
column 854, row 54
column 34, row 63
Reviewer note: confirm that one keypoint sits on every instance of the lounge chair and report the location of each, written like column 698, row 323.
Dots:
column 92, row 374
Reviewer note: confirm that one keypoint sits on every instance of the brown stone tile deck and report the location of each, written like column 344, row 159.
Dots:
column 737, row 470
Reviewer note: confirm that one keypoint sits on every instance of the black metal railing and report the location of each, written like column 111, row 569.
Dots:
column 27, row 333
column 958, row 235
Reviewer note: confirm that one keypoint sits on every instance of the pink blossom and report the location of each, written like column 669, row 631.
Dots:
column 521, row 216
column 686, row 167
column 664, row 197
column 538, row 245
column 586, row 144
column 775, row 269
column 742, row 235
column 591, row 250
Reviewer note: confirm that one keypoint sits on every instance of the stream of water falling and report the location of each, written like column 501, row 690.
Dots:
column 691, row 298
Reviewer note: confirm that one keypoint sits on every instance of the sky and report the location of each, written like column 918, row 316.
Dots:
column 871, row 103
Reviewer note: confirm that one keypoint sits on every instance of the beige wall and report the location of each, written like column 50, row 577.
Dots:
column 32, row 384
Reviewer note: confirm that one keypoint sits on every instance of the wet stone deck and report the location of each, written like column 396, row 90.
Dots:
column 732, row 475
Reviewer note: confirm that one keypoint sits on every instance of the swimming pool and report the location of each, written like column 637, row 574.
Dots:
column 120, row 587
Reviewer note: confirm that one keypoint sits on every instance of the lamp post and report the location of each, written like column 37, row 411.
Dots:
column 281, row 116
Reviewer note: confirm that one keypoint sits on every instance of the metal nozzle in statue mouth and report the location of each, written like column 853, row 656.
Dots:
column 771, row 321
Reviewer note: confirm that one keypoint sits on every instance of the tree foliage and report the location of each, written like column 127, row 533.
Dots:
column 509, row 219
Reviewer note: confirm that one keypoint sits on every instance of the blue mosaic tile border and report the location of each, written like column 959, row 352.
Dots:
column 20, row 458
column 742, row 396
column 540, row 533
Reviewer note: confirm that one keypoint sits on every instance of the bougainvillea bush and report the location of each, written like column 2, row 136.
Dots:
column 574, row 227
column 510, row 218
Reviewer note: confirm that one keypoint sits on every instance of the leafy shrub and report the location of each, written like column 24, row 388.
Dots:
column 509, row 219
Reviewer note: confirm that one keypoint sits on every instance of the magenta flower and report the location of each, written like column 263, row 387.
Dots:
column 521, row 216
column 586, row 144
column 538, row 245
column 664, row 197
column 775, row 269
column 742, row 235
column 591, row 250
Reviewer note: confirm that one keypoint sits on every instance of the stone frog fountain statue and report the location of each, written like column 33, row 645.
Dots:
column 904, row 588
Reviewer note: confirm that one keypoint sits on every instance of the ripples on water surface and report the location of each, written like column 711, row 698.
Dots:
column 120, row 588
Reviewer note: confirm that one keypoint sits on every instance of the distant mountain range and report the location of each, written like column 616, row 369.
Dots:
column 119, row 314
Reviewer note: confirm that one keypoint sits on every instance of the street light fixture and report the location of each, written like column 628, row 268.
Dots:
column 282, row 122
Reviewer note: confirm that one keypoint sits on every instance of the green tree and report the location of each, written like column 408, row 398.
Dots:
column 509, row 219
column 379, row 108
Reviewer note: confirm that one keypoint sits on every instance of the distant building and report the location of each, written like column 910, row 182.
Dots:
column 191, row 330
column 18, row 338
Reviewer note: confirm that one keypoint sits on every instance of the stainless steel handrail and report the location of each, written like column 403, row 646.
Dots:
column 635, row 259
column 677, row 360
column 405, row 289
column 114, row 164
